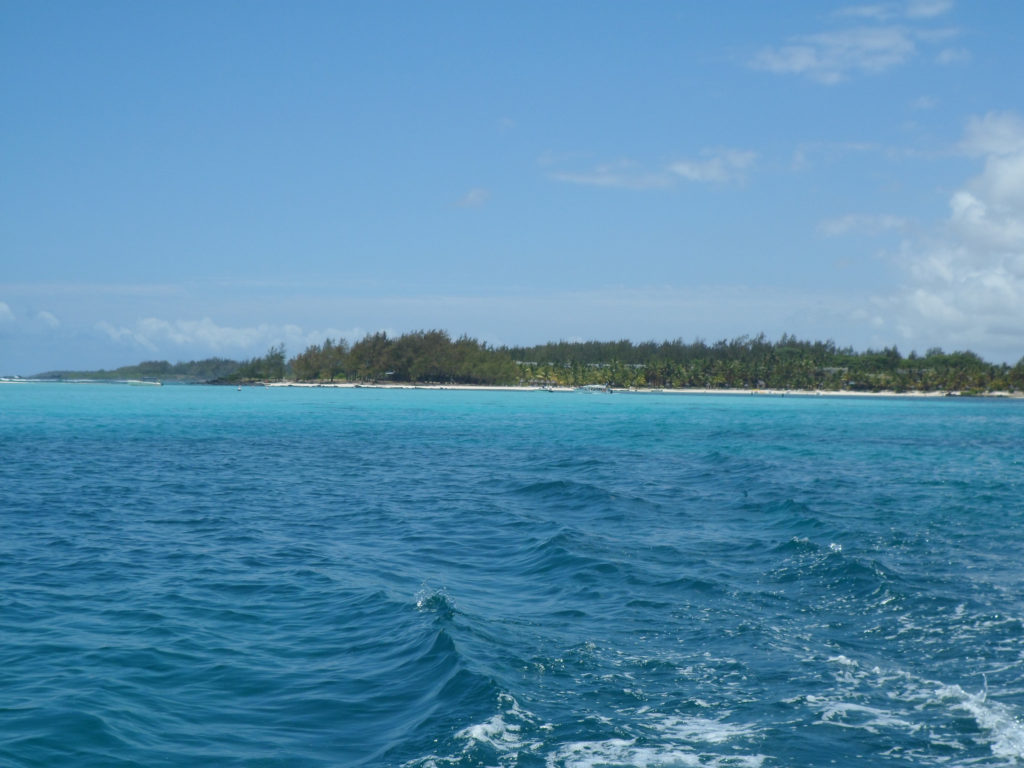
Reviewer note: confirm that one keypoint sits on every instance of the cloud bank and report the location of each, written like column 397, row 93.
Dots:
column 164, row 337
column 966, row 283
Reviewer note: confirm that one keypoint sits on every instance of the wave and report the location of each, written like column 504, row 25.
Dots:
column 1004, row 728
column 561, row 497
column 566, row 560
column 515, row 736
column 917, row 718
column 830, row 577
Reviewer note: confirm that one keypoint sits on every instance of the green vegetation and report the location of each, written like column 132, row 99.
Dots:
column 742, row 363
column 757, row 363
column 421, row 356
column 211, row 369
column 270, row 367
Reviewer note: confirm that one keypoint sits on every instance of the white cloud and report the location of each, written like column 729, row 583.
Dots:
column 807, row 154
column 915, row 9
column 831, row 57
column 953, row 56
column 124, row 335
column 879, row 11
column 718, row 165
column 474, row 197
column 153, row 333
column 889, row 34
column 623, row 174
column 6, row 315
column 205, row 337
column 966, row 283
column 859, row 223
column 813, row 154
column 712, row 165
column 997, row 133
column 48, row 319
column 926, row 9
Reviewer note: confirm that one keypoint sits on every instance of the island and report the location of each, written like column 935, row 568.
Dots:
column 746, row 363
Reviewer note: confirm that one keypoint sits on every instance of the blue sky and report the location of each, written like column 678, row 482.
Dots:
column 188, row 179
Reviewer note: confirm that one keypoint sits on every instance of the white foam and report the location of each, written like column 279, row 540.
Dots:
column 855, row 704
column 624, row 753
column 433, row 600
column 670, row 740
column 502, row 733
column 1005, row 730
column 701, row 729
column 494, row 732
column 504, row 736
column 657, row 741
column 860, row 716
column 618, row 752
column 844, row 660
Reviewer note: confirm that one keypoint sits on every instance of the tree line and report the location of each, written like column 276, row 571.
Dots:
column 210, row 369
column 742, row 363
column 420, row 356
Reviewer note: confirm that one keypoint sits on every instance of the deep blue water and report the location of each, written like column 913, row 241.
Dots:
column 315, row 577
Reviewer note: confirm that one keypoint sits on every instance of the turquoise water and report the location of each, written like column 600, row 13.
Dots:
column 326, row 577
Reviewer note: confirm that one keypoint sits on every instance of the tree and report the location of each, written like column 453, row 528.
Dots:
column 368, row 358
column 273, row 363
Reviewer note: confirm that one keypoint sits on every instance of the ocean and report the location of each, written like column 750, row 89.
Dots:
column 201, row 576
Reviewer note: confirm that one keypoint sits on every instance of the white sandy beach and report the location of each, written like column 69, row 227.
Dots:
column 662, row 391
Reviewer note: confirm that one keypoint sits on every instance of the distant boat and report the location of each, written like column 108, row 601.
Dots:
column 604, row 389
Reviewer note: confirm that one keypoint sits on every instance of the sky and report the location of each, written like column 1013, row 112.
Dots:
column 182, row 180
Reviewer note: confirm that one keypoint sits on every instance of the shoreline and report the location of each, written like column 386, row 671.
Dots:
column 766, row 392
column 644, row 391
